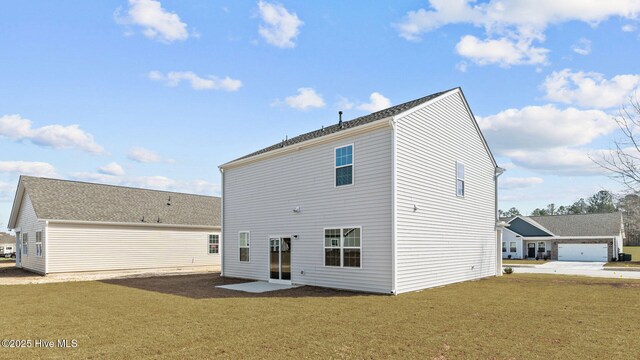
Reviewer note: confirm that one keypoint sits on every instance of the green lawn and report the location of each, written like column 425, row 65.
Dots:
column 523, row 261
column 635, row 258
column 517, row 316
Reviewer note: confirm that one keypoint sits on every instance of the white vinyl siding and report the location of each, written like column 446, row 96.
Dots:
column 28, row 223
column 85, row 247
column 448, row 238
column 260, row 197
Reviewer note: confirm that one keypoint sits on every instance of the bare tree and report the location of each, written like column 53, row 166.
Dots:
column 622, row 161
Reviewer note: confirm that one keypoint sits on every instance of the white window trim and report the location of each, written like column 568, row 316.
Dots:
column 464, row 182
column 39, row 251
column 353, row 165
column 515, row 246
column 324, row 257
column 538, row 247
column 218, row 243
column 244, row 247
column 25, row 249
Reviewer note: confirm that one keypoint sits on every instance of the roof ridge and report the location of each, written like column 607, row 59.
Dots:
column 117, row 186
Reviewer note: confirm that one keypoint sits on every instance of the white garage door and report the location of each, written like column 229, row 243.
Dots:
column 582, row 252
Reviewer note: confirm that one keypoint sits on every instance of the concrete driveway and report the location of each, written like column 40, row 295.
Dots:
column 594, row 269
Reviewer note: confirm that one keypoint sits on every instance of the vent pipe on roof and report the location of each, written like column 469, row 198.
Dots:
column 340, row 119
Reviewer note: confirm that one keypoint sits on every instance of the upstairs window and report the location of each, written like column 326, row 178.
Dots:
column 38, row 243
column 244, row 246
column 459, row 178
column 344, row 165
column 214, row 243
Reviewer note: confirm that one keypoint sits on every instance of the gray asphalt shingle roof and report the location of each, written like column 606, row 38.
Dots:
column 7, row 238
column 55, row 199
column 582, row 224
column 379, row 115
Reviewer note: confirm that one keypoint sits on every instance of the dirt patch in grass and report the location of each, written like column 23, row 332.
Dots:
column 203, row 286
column 13, row 272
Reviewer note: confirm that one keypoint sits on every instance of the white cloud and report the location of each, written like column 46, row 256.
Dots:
column 7, row 192
column 582, row 47
column 197, row 186
column 142, row 155
column 503, row 51
column 589, row 89
column 280, row 27
column 344, row 103
column 376, row 102
column 33, row 168
column 462, row 66
column 543, row 127
column 174, row 78
column 56, row 136
column 111, row 169
column 519, row 183
column 157, row 23
column 628, row 28
column 307, row 98
column 510, row 26
column 557, row 161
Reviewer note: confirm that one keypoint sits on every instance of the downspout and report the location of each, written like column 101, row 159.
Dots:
column 46, row 247
column 499, row 226
column 221, row 222
column 394, row 202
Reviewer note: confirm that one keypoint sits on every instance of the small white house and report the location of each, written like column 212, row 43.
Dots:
column 399, row 200
column 576, row 237
column 71, row 226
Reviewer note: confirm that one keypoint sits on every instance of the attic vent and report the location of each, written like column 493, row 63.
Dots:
column 142, row 219
column 340, row 119
column 158, row 219
column 169, row 201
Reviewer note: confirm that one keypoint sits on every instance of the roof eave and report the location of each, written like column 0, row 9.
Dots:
column 378, row 124
column 115, row 223
column 17, row 203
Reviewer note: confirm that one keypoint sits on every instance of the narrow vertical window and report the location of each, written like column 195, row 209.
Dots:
column 25, row 244
column 504, row 246
column 38, row 243
column 459, row 178
column 512, row 246
column 214, row 243
column 344, row 165
column 244, row 246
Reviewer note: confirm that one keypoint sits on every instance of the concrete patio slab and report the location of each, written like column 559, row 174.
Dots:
column 257, row 287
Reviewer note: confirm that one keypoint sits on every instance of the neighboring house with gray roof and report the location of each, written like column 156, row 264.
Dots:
column 579, row 237
column 7, row 245
column 69, row 226
column 395, row 201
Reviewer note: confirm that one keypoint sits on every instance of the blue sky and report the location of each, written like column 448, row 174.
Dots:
column 158, row 93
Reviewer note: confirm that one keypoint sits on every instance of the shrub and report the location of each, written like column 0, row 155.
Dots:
column 508, row 270
column 508, row 256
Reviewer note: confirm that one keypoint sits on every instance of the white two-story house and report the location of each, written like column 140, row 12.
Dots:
column 399, row 200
